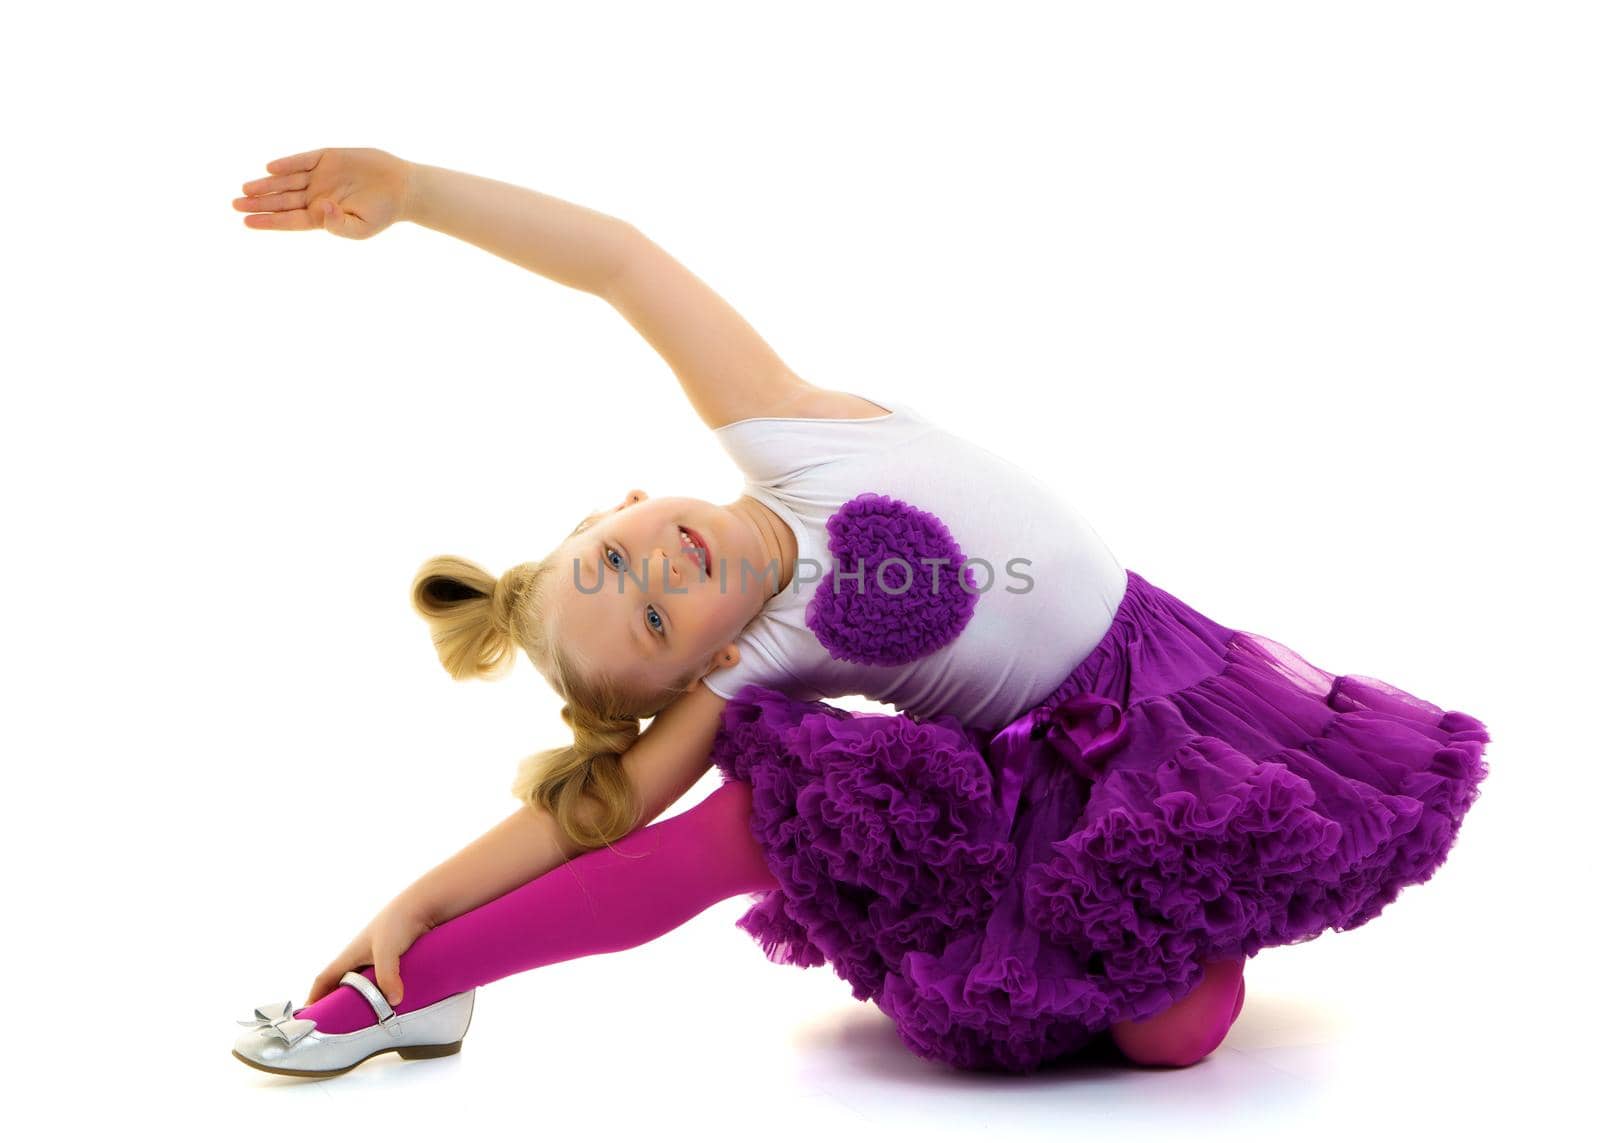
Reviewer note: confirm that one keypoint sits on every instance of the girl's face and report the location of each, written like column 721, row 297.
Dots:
column 633, row 600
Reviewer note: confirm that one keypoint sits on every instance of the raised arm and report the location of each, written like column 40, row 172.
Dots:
column 727, row 371
column 559, row 240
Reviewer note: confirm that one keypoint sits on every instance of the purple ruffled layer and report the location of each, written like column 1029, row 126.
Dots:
column 882, row 827
column 1253, row 801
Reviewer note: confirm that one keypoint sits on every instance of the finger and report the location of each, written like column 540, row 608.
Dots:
column 269, row 185
column 304, row 161
column 352, row 225
column 388, row 970
column 321, row 986
column 330, row 216
column 288, row 200
column 330, row 977
column 281, row 220
column 342, row 222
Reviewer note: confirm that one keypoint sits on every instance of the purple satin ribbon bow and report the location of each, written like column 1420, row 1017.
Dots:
column 1076, row 728
column 1082, row 730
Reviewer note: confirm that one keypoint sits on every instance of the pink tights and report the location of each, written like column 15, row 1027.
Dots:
column 1190, row 1030
column 650, row 882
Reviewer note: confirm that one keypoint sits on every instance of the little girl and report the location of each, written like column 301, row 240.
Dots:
column 1094, row 804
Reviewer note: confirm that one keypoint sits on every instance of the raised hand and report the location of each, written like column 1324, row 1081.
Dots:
column 353, row 192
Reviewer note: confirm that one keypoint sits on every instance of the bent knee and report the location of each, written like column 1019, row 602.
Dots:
column 1167, row 1042
column 1169, row 1051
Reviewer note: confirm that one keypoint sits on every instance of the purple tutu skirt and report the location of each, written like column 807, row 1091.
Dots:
column 1189, row 792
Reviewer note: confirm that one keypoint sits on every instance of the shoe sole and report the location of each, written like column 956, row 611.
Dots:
column 411, row 1052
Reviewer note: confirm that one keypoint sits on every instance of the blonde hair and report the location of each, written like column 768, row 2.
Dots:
column 478, row 621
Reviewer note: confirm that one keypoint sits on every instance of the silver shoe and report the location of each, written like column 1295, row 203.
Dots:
column 278, row 1042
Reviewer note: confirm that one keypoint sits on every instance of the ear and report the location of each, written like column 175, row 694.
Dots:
column 726, row 656
column 634, row 496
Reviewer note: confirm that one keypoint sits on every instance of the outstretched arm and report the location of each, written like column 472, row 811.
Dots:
column 559, row 240
column 727, row 371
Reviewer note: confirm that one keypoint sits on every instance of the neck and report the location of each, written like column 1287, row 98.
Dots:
column 774, row 538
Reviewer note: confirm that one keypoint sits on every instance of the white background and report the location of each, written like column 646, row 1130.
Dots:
column 1295, row 302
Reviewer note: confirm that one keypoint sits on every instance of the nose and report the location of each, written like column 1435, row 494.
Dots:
column 661, row 556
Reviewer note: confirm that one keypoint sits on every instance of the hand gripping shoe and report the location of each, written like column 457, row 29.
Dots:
column 278, row 1042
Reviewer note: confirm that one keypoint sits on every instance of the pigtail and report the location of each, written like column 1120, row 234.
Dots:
column 470, row 613
column 584, row 785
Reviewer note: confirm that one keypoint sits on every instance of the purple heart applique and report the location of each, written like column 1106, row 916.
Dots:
column 908, row 601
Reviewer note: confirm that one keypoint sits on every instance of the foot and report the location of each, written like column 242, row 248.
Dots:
column 281, row 1043
column 347, row 1010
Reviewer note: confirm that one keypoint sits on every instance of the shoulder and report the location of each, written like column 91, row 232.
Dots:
column 800, row 400
column 830, row 404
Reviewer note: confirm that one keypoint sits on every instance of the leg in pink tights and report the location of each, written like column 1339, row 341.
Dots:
column 1190, row 1030
column 605, row 900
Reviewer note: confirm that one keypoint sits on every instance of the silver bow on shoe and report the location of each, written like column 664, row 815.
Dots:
column 279, row 1020
column 279, row 1043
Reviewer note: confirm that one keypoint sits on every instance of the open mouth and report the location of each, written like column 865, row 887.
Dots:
column 696, row 543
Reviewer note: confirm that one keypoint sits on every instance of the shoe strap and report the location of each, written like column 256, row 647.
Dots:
column 387, row 1019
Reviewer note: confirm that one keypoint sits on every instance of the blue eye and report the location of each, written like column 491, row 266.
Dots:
column 653, row 618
